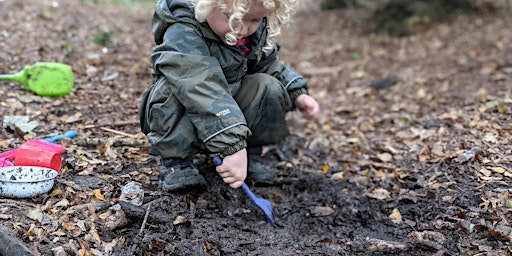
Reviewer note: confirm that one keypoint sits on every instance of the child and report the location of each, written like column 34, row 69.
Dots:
column 219, row 88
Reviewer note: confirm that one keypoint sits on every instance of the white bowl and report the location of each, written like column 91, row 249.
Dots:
column 25, row 181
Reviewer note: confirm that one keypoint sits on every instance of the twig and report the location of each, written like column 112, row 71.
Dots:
column 145, row 219
column 120, row 123
column 15, row 202
column 139, row 237
column 92, row 142
column 118, row 132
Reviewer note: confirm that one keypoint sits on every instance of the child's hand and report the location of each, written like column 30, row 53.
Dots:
column 307, row 105
column 233, row 169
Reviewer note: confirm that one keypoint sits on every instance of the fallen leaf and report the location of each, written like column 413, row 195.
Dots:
column 5, row 216
column 207, row 247
column 59, row 232
column 321, row 211
column 109, row 246
column 378, row 193
column 178, row 220
column 498, row 169
column 324, row 241
column 424, row 153
column 104, row 215
column 98, row 195
column 385, row 157
column 62, row 203
column 339, row 176
column 57, row 192
column 485, row 172
column 396, row 216
column 35, row 214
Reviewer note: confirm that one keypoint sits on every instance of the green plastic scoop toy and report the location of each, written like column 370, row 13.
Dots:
column 44, row 78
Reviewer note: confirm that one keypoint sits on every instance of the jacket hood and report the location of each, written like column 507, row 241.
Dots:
column 175, row 9
column 168, row 12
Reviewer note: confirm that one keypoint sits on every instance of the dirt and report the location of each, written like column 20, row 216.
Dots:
column 419, row 166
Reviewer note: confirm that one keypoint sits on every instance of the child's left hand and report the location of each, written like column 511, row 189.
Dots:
column 307, row 105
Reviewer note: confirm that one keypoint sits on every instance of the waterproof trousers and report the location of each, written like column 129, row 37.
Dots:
column 171, row 134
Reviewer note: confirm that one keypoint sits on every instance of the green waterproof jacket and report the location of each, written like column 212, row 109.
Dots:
column 203, row 73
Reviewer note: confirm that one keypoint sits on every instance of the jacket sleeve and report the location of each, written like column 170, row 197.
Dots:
column 198, row 83
column 294, row 82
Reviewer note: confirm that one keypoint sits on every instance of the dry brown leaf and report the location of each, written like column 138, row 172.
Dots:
column 35, row 214
column 321, row 211
column 491, row 178
column 57, row 192
column 5, row 143
column 378, row 193
column 380, row 174
column 93, row 235
column 396, row 216
column 68, row 226
column 178, row 220
column 104, row 215
column 5, row 216
column 339, row 176
column 98, row 195
column 485, row 172
column 498, row 169
column 62, row 203
column 424, row 154
column 109, row 246
column 59, row 232
column 325, row 168
column 385, row 157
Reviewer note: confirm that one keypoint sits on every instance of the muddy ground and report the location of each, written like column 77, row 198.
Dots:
column 420, row 166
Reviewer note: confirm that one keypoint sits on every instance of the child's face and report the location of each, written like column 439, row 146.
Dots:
column 218, row 20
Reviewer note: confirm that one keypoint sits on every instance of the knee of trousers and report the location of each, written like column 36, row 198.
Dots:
column 268, row 89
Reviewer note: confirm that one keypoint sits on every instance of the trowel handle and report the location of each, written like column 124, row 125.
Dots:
column 69, row 134
column 218, row 161
column 19, row 77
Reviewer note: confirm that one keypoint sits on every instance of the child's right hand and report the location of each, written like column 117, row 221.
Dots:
column 233, row 169
column 307, row 105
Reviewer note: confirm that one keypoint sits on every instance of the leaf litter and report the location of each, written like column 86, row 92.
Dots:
column 420, row 166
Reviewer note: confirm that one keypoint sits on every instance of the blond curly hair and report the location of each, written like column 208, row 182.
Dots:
column 280, row 12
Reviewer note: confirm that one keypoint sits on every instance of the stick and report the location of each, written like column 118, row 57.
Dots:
column 120, row 123
column 145, row 219
column 139, row 237
column 93, row 142
column 15, row 202
column 118, row 132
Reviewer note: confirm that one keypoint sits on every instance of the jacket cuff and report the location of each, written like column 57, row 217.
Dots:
column 295, row 93
column 235, row 148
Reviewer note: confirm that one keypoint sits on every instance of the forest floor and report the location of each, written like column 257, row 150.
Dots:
column 420, row 166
